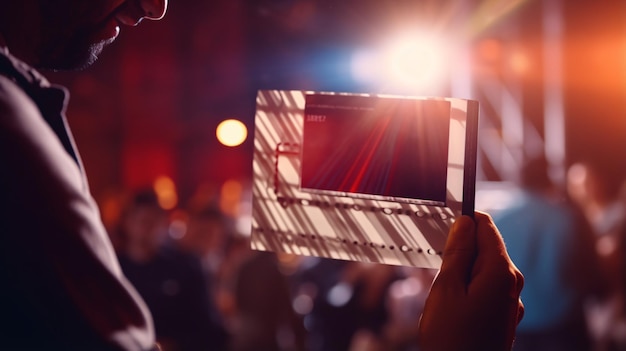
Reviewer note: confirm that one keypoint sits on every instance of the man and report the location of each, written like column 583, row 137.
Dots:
column 62, row 287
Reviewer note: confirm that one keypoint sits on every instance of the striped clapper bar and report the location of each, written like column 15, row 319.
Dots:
column 371, row 178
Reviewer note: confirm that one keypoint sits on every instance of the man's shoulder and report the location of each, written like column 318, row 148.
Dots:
column 9, row 90
column 22, row 126
column 15, row 104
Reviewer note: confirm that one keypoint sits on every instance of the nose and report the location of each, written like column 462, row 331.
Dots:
column 153, row 9
column 133, row 11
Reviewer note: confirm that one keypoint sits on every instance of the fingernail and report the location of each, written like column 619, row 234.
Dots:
column 462, row 224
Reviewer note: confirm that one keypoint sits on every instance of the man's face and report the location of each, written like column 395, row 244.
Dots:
column 74, row 32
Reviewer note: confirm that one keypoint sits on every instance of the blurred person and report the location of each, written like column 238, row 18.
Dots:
column 405, row 303
column 142, row 227
column 257, row 307
column 62, row 280
column 210, row 238
column 348, row 302
column 597, row 187
column 236, row 251
column 263, row 318
column 207, row 234
column 62, row 286
column 549, row 242
column 170, row 281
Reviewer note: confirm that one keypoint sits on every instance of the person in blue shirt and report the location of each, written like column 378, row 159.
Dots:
column 550, row 242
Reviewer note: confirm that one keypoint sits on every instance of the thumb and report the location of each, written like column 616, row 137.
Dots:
column 459, row 253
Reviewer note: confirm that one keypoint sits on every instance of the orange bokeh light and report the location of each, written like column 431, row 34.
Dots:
column 231, row 132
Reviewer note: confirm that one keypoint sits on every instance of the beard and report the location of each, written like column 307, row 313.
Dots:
column 75, row 57
column 76, row 54
column 70, row 45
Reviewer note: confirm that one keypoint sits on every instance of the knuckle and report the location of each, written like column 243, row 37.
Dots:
column 509, row 278
column 520, row 280
column 521, row 310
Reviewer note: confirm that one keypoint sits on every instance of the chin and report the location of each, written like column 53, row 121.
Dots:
column 75, row 58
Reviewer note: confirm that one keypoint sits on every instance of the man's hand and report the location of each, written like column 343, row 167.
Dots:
column 474, row 303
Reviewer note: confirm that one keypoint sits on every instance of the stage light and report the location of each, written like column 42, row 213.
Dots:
column 409, row 62
column 231, row 132
column 415, row 61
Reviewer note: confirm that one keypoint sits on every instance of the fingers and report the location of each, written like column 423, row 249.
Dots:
column 459, row 253
column 519, row 282
column 489, row 240
column 492, row 260
column 520, row 311
column 493, row 266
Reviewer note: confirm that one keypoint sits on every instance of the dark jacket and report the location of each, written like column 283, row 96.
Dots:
column 62, row 287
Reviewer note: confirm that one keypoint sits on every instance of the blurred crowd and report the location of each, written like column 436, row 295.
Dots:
column 207, row 290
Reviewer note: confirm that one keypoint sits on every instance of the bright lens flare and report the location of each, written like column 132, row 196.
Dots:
column 231, row 132
column 412, row 61
column 416, row 62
